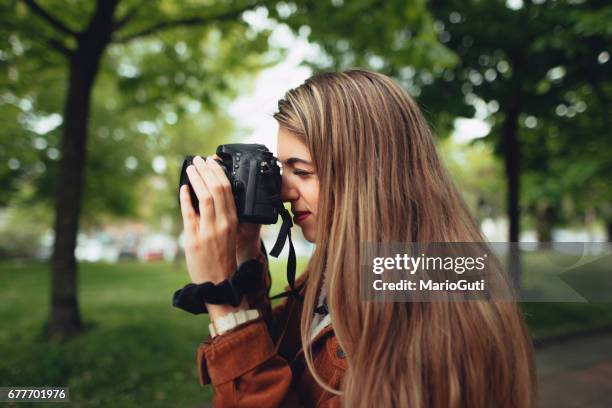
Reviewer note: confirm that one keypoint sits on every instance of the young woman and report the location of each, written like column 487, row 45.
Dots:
column 359, row 165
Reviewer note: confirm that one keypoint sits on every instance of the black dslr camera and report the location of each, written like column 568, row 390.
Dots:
column 255, row 178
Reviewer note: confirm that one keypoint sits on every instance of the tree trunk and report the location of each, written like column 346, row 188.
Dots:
column 65, row 319
column 84, row 63
column 512, row 158
column 545, row 221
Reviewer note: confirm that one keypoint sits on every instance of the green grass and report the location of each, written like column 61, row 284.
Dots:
column 138, row 350
column 547, row 320
column 550, row 276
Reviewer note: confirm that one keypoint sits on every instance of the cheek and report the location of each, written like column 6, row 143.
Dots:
column 311, row 195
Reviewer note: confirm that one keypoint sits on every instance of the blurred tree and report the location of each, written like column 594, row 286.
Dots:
column 519, row 61
column 510, row 61
column 157, row 62
column 567, row 162
column 396, row 37
column 478, row 175
column 198, row 135
column 158, row 57
column 514, row 57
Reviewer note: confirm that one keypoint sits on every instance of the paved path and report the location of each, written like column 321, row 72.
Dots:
column 576, row 373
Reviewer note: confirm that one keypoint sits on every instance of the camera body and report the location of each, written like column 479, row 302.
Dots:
column 255, row 178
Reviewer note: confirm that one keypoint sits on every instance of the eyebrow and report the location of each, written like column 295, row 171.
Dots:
column 293, row 160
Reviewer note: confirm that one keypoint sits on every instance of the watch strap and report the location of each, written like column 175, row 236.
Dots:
column 230, row 321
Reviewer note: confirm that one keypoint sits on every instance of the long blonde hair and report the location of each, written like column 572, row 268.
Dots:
column 381, row 180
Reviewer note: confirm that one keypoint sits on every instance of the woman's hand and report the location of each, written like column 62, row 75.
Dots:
column 247, row 237
column 210, row 238
column 247, row 242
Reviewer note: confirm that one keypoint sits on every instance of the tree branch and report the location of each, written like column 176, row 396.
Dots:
column 190, row 21
column 129, row 15
column 58, row 46
column 49, row 18
column 34, row 35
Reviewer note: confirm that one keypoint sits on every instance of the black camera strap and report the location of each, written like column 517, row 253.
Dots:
column 284, row 235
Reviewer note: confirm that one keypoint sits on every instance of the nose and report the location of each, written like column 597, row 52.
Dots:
column 288, row 191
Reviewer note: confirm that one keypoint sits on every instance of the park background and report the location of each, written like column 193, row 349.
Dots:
column 101, row 100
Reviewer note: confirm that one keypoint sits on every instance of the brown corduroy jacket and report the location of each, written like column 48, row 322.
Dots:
column 261, row 363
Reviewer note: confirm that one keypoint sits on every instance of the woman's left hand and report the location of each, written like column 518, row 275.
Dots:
column 210, row 238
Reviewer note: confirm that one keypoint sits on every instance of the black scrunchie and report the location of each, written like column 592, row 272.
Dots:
column 247, row 279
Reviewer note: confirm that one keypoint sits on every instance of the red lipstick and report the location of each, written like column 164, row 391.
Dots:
column 299, row 216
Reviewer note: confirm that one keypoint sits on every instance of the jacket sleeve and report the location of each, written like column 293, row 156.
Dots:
column 243, row 368
column 275, row 317
column 245, row 371
column 243, row 365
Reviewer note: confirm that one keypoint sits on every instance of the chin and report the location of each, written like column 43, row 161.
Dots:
column 309, row 234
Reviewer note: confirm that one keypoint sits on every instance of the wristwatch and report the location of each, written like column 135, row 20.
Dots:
column 231, row 320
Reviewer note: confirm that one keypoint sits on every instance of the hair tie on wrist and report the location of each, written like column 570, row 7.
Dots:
column 193, row 297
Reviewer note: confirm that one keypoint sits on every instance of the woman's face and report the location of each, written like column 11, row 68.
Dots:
column 300, row 184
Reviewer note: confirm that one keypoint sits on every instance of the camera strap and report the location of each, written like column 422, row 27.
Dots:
column 284, row 235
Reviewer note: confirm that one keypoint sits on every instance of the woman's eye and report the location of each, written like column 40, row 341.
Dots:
column 301, row 173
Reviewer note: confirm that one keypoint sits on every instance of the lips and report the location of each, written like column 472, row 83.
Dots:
column 300, row 215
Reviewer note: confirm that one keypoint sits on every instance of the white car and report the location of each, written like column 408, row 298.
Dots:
column 157, row 247
column 98, row 248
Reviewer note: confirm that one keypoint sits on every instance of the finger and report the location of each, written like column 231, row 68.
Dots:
column 190, row 218
column 226, row 187
column 207, row 209
column 215, row 188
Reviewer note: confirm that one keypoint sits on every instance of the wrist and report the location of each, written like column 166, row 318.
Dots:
column 223, row 272
column 220, row 295
column 216, row 311
column 248, row 252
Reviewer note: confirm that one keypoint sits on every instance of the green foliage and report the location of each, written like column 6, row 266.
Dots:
column 364, row 33
column 170, row 67
column 396, row 37
column 547, row 63
column 572, row 144
column 479, row 177
column 21, row 229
